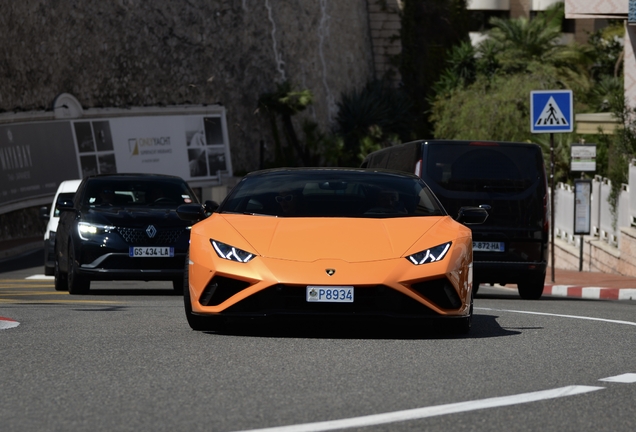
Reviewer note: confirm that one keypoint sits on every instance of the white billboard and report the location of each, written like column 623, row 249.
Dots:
column 36, row 156
column 190, row 146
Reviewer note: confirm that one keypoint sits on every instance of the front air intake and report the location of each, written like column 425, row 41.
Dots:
column 439, row 291
column 220, row 289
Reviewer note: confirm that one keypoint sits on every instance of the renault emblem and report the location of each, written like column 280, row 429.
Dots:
column 330, row 272
column 151, row 231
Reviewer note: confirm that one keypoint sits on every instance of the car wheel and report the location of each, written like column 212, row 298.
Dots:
column 61, row 283
column 77, row 284
column 178, row 285
column 462, row 326
column 49, row 271
column 197, row 322
column 532, row 287
column 476, row 284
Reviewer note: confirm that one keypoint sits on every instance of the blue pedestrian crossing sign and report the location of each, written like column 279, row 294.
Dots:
column 551, row 111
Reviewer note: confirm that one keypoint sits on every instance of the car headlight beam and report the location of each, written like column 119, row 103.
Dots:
column 231, row 253
column 430, row 255
column 86, row 230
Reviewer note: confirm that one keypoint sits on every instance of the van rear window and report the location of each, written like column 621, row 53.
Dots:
column 497, row 169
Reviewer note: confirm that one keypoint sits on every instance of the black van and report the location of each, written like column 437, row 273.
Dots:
column 506, row 178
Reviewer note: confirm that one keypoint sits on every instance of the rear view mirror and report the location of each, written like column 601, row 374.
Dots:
column 210, row 206
column 472, row 215
column 44, row 213
column 191, row 212
column 65, row 205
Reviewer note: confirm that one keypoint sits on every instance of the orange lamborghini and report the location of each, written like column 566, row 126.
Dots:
column 329, row 241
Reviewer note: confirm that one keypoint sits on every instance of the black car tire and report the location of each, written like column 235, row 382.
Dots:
column 197, row 322
column 462, row 326
column 77, row 284
column 476, row 284
column 61, row 282
column 532, row 287
column 178, row 285
column 49, row 271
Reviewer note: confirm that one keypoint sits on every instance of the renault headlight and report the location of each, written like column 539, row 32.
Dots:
column 231, row 253
column 433, row 254
column 87, row 230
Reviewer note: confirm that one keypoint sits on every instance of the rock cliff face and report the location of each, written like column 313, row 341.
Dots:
column 125, row 53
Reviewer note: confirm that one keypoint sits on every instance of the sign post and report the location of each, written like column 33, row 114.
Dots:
column 583, row 159
column 551, row 111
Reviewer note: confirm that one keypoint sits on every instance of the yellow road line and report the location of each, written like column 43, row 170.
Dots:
column 25, row 280
column 10, row 301
column 32, row 293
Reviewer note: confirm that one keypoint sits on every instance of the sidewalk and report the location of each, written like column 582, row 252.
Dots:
column 594, row 285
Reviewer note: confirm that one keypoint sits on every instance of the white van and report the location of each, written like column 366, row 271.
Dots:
column 65, row 191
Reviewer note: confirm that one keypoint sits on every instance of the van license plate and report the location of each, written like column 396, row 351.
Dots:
column 151, row 251
column 330, row 294
column 482, row 246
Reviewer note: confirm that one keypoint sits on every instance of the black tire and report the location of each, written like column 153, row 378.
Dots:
column 197, row 322
column 476, row 284
column 77, row 284
column 61, row 282
column 462, row 326
column 178, row 285
column 532, row 287
column 49, row 271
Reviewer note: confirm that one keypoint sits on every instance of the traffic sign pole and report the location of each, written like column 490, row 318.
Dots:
column 552, row 204
column 551, row 111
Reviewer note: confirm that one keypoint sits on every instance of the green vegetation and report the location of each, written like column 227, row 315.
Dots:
column 453, row 90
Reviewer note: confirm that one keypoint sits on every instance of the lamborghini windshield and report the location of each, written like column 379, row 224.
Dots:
column 332, row 193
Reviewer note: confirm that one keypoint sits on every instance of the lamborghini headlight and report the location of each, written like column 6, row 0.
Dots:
column 433, row 254
column 231, row 253
column 87, row 230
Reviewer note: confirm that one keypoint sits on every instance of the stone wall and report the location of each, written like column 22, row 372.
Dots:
column 598, row 256
column 385, row 24
column 124, row 53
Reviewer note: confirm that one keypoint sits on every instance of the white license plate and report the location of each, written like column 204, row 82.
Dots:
column 151, row 251
column 488, row 246
column 330, row 294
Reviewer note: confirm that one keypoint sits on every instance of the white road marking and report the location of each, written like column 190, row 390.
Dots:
column 7, row 323
column 628, row 378
column 436, row 410
column 41, row 276
column 560, row 315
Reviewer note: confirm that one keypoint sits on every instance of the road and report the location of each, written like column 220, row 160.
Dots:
column 123, row 358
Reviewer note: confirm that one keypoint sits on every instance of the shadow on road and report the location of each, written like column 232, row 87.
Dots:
column 484, row 326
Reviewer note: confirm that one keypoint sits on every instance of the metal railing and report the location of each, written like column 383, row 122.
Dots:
column 604, row 225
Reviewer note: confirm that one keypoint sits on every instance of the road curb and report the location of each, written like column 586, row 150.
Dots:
column 600, row 293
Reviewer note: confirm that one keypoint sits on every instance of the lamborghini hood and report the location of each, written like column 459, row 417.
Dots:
column 347, row 239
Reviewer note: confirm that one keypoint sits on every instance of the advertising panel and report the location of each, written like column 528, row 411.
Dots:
column 36, row 156
column 34, row 159
column 192, row 146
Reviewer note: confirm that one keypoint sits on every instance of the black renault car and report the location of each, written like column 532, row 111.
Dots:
column 122, row 227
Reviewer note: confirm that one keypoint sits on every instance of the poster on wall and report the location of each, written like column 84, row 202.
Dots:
column 34, row 159
column 193, row 147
